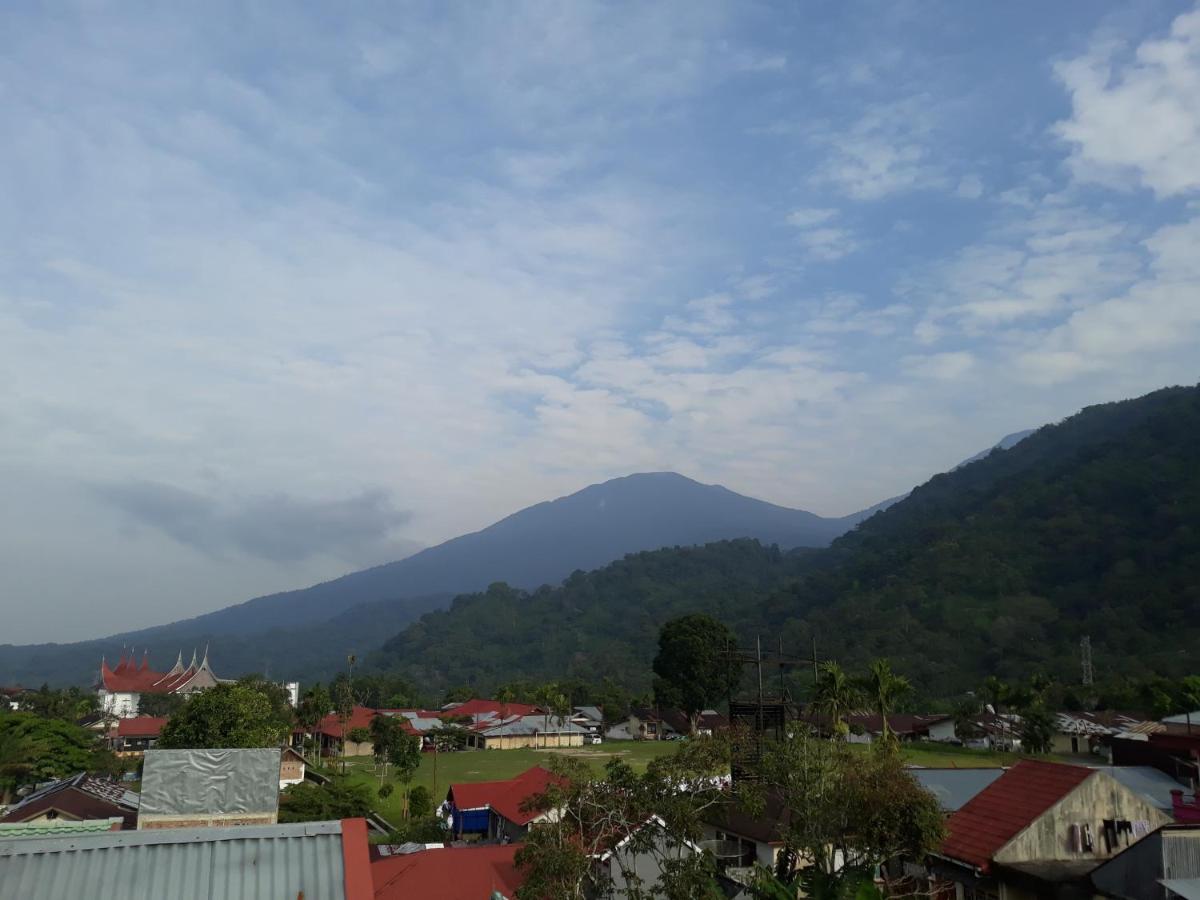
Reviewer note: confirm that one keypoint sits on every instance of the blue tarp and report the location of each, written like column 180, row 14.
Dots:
column 471, row 821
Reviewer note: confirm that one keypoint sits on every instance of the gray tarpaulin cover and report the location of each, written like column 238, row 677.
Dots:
column 210, row 782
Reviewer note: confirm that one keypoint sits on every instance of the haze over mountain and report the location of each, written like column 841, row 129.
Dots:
column 1000, row 566
column 541, row 544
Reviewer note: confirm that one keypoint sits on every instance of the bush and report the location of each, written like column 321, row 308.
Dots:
column 420, row 802
column 428, row 830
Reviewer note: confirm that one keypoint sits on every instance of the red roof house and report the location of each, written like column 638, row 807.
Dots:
column 447, row 873
column 1043, row 825
column 494, row 807
column 141, row 727
column 488, row 709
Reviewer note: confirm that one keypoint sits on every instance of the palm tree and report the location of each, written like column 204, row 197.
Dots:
column 996, row 692
column 835, row 695
column 504, row 696
column 883, row 688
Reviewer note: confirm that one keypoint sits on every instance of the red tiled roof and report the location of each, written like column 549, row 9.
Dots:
column 505, row 797
column 141, row 726
column 477, row 707
column 1004, row 808
column 448, row 873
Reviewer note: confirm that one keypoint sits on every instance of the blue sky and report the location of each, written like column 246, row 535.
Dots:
column 285, row 290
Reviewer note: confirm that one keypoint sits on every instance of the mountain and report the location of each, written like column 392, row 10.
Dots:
column 299, row 633
column 1086, row 527
column 1006, row 443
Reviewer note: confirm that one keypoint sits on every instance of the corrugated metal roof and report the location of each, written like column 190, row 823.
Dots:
column 271, row 861
column 1152, row 785
column 954, row 788
column 532, row 725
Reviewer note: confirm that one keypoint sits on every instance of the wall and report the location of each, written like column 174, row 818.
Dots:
column 1099, row 797
column 521, row 741
column 220, row 821
column 120, row 704
column 644, row 865
column 942, row 731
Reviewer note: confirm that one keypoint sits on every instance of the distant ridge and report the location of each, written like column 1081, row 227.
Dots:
column 541, row 544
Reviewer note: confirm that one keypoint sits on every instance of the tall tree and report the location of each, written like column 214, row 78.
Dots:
column 228, row 715
column 835, row 695
column 557, row 857
column 884, row 688
column 693, row 668
column 314, row 706
column 33, row 749
column 405, row 756
column 850, row 811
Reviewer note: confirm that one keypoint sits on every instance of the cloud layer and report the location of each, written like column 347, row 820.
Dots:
column 266, row 270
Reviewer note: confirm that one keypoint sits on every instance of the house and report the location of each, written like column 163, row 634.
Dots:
column 663, row 723
column 592, row 719
column 534, row 731
column 1166, row 864
column 436, row 872
column 11, row 696
column 741, row 841
column 120, row 688
column 78, row 798
column 637, row 858
column 954, row 788
column 207, row 788
column 292, row 767
column 865, row 728
column 1083, row 732
column 134, row 736
column 330, row 731
column 1037, row 831
column 992, row 731
column 493, row 809
column 316, row 860
column 1175, row 762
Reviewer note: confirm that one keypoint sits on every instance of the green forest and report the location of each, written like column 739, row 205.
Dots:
column 1087, row 527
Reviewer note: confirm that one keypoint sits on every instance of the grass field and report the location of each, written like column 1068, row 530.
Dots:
column 496, row 765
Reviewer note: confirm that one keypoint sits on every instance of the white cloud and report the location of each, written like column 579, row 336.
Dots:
column 822, row 242
column 1136, row 122
column 810, row 217
column 970, row 187
column 887, row 150
column 939, row 366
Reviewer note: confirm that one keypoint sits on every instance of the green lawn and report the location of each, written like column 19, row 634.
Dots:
column 496, row 765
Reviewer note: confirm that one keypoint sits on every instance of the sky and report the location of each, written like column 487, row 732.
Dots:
column 289, row 289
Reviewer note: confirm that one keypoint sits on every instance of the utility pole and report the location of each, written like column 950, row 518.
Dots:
column 1085, row 658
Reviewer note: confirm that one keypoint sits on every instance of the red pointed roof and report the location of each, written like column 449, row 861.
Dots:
column 506, row 797
column 1003, row 809
column 130, row 678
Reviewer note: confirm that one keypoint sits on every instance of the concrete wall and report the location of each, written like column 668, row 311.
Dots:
column 942, row 731
column 522, row 741
column 1099, row 797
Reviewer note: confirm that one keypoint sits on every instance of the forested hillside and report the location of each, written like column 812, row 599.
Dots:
column 1088, row 527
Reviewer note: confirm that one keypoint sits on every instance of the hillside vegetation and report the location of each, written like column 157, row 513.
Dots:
column 1087, row 527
